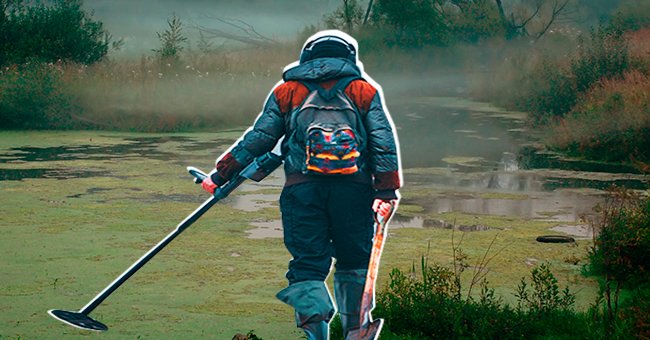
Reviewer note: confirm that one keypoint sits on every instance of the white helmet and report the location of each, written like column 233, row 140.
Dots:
column 330, row 43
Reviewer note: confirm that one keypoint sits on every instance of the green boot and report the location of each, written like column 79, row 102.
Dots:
column 313, row 305
column 348, row 289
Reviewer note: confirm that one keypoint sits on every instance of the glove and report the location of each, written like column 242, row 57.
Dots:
column 383, row 208
column 226, row 168
column 208, row 185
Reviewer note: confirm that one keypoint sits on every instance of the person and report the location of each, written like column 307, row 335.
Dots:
column 342, row 165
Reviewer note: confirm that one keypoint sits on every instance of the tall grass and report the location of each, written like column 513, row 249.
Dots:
column 220, row 90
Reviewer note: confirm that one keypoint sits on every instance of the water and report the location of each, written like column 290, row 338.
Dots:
column 475, row 159
column 458, row 156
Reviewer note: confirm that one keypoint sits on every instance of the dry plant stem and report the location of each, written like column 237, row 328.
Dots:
column 458, row 260
column 481, row 270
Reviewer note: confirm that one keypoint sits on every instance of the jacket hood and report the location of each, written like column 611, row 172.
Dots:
column 321, row 69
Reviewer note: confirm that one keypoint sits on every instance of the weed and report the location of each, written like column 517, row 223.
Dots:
column 428, row 304
column 620, row 256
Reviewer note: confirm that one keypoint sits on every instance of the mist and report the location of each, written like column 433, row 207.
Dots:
column 136, row 22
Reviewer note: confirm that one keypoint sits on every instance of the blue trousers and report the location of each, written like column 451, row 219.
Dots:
column 326, row 219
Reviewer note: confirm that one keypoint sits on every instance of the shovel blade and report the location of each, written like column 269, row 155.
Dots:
column 78, row 320
column 369, row 332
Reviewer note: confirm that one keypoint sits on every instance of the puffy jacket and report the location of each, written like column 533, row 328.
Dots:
column 383, row 165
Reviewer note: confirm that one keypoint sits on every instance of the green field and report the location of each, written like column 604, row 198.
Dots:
column 78, row 208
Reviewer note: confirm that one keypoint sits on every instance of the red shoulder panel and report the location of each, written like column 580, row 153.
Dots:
column 361, row 93
column 289, row 95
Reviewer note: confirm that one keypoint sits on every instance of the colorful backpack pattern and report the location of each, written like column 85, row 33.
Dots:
column 329, row 126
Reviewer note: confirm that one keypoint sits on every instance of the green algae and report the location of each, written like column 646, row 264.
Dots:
column 65, row 239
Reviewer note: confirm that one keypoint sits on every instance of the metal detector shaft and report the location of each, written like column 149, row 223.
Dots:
column 149, row 255
column 257, row 170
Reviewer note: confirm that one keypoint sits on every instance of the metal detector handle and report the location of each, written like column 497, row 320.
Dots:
column 262, row 166
column 199, row 175
column 257, row 170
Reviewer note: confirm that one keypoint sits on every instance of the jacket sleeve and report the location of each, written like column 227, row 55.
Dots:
column 383, row 147
column 257, row 140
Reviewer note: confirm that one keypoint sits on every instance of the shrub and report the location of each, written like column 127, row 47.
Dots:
column 633, row 15
column 48, row 33
column 553, row 89
column 171, row 40
column 428, row 305
column 545, row 296
column 551, row 93
column 32, row 96
column 611, row 122
column 621, row 252
column 411, row 23
column 604, row 56
column 620, row 257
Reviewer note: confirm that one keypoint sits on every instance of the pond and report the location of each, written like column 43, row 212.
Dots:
column 458, row 156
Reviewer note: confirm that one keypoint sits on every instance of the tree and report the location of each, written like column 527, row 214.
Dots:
column 547, row 12
column 474, row 20
column 171, row 39
column 60, row 30
column 412, row 23
column 243, row 32
column 348, row 16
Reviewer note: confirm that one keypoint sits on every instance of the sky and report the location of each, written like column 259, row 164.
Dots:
column 137, row 21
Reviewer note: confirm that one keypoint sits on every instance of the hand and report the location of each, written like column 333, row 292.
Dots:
column 208, row 185
column 383, row 208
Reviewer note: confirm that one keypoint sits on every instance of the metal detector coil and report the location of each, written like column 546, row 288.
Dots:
column 256, row 171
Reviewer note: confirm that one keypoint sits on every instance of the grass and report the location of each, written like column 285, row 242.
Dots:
column 65, row 240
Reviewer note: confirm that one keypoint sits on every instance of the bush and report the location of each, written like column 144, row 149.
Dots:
column 620, row 257
column 48, row 33
column 604, row 56
column 171, row 41
column 429, row 305
column 553, row 90
column 411, row 23
column 551, row 93
column 621, row 251
column 32, row 97
column 477, row 21
column 545, row 296
column 633, row 15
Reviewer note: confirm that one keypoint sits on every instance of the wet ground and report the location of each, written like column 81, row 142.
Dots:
column 458, row 157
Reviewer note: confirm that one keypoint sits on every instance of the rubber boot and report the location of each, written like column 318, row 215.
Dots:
column 313, row 305
column 348, row 290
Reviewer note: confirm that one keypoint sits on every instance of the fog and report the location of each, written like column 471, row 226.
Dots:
column 138, row 21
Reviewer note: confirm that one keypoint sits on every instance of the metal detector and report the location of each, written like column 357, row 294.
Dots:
column 256, row 171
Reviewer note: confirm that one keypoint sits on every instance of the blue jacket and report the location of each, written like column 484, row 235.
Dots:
column 382, row 167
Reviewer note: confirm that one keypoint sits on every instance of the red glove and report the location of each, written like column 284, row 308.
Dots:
column 208, row 185
column 383, row 208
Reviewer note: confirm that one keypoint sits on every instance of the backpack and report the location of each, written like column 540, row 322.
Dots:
column 328, row 127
